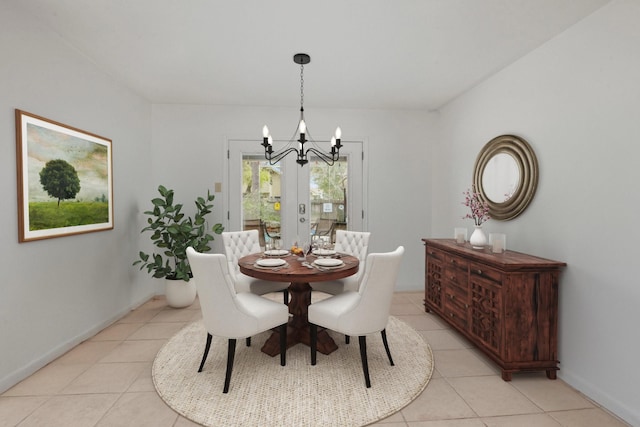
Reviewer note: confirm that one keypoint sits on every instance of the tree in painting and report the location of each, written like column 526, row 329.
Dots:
column 60, row 180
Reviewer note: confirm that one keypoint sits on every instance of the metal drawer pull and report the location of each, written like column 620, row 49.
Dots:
column 479, row 272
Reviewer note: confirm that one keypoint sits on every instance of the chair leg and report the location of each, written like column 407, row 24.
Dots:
column 347, row 338
column 283, row 344
column 206, row 352
column 285, row 294
column 230, row 355
column 386, row 345
column 314, row 342
column 363, row 355
column 248, row 341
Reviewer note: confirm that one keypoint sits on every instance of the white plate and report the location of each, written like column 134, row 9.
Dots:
column 324, row 252
column 271, row 262
column 328, row 262
column 276, row 252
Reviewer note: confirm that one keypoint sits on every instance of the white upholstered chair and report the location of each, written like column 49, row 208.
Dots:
column 354, row 243
column 238, row 244
column 360, row 312
column 229, row 314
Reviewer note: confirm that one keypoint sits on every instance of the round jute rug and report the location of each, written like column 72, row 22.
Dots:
column 263, row 393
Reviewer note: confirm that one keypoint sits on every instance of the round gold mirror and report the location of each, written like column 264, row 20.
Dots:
column 506, row 176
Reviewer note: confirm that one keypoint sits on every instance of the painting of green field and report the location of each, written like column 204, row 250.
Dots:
column 45, row 215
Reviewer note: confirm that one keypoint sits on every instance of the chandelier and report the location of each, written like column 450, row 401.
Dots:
column 304, row 136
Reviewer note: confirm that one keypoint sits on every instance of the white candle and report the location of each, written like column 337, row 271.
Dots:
column 499, row 242
column 460, row 234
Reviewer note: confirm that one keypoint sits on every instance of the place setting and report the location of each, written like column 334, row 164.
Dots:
column 273, row 256
column 273, row 249
column 327, row 263
column 272, row 263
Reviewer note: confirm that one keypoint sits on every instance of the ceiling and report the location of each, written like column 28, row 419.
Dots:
column 407, row 54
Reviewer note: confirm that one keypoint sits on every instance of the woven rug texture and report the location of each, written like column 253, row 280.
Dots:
column 263, row 393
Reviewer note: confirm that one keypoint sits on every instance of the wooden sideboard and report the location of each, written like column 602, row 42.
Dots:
column 506, row 303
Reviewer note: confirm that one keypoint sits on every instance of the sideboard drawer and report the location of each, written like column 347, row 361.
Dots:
column 435, row 254
column 457, row 278
column 457, row 316
column 485, row 272
column 456, row 262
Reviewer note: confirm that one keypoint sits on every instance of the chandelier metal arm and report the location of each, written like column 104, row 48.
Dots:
column 328, row 159
column 275, row 157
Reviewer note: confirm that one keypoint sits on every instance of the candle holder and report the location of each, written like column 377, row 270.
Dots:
column 460, row 234
column 498, row 242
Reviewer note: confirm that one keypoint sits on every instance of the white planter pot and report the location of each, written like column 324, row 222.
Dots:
column 180, row 293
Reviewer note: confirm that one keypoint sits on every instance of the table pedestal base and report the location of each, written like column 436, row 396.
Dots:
column 298, row 328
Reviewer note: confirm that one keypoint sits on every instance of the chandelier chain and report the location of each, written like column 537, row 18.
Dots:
column 301, row 86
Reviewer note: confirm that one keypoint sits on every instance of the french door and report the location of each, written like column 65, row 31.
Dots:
column 289, row 203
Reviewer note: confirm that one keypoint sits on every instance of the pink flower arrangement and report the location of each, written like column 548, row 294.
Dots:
column 479, row 208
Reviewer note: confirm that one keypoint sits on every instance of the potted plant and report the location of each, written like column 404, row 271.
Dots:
column 172, row 233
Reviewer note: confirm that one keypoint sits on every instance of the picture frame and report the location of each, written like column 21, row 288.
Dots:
column 65, row 179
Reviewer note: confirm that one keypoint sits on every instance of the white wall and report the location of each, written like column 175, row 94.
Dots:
column 396, row 148
column 57, row 292
column 576, row 100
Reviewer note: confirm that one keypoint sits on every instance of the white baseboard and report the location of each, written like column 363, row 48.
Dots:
column 604, row 400
column 16, row 376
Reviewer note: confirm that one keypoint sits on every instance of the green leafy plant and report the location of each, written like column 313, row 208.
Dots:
column 173, row 232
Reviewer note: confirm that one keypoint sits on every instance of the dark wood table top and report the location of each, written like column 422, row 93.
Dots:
column 295, row 272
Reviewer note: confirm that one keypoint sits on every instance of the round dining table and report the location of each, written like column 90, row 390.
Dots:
column 299, row 273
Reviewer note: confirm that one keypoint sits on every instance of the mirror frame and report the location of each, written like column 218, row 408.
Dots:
column 527, row 162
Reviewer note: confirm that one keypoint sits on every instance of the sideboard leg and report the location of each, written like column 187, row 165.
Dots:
column 506, row 376
column 551, row 374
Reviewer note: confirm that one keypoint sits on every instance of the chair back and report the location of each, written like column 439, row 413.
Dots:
column 376, row 292
column 354, row 243
column 238, row 244
column 217, row 296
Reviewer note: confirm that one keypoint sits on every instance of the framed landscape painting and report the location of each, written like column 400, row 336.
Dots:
column 65, row 182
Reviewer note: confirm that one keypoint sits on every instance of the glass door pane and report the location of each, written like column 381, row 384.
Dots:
column 328, row 198
column 261, row 198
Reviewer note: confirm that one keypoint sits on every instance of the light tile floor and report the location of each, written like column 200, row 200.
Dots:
column 106, row 381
